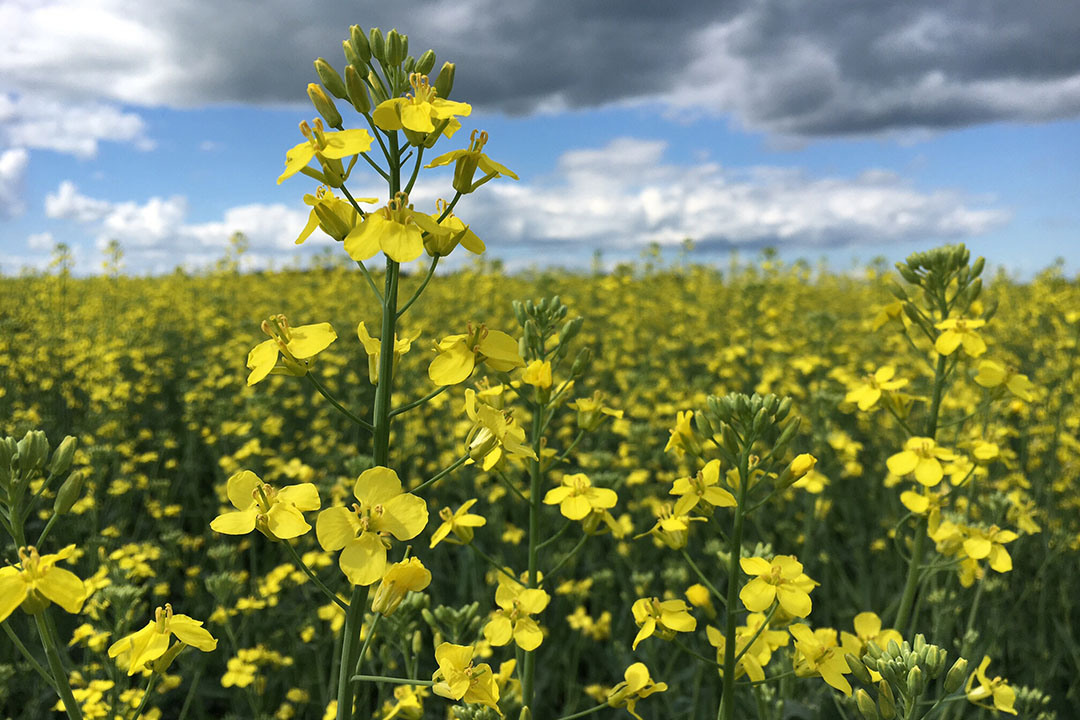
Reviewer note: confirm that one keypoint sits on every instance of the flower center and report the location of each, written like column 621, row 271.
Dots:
column 422, row 90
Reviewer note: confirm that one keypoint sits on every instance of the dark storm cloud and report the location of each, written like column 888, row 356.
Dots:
column 796, row 69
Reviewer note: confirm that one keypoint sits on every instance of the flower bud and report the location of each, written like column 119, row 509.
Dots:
column 866, row 705
column 357, row 90
column 858, row 669
column 570, row 329
column 324, row 105
column 68, row 493
column 581, row 362
column 377, row 44
column 397, row 582
column 33, row 450
column 885, row 701
column 915, row 681
column 396, row 48
column 62, row 456
column 359, row 43
column 351, row 57
column 444, row 83
column 330, row 78
column 956, row 676
column 425, row 62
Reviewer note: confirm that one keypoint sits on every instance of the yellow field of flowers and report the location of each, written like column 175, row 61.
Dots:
column 556, row 524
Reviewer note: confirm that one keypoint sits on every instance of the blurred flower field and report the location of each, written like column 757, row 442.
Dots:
column 149, row 375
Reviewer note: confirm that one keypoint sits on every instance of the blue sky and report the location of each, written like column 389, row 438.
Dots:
column 739, row 125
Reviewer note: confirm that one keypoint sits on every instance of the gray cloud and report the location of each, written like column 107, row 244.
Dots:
column 801, row 70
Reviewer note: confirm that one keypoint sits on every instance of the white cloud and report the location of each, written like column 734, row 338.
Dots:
column 39, row 242
column 619, row 197
column 12, row 166
column 75, row 128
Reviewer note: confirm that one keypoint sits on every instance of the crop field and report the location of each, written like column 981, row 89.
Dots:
column 149, row 376
column 378, row 488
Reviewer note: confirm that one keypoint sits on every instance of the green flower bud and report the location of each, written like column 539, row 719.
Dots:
column 977, row 266
column 33, row 450
column 581, row 362
column 377, row 44
column 425, row 62
column 68, row 493
column 395, row 48
column 330, row 78
column 915, row 681
column 351, row 57
column 761, row 421
column 866, row 705
column 62, row 456
column 885, row 701
column 858, row 670
column 359, row 43
column 783, row 409
column 956, row 676
column 357, row 90
column 324, row 105
column 444, row 83
column 570, row 329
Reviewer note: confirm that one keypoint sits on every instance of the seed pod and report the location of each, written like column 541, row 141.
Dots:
column 330, row 79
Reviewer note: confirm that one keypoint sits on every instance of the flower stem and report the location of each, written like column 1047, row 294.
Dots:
column 416, row 296
column 727, row 700
column 59, row 675
column 314, row 578
column 340, row 408
column 583, row 713
column 441, row 474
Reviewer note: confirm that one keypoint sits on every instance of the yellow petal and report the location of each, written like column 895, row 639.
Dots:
column 309, row 340
column 261, row 360
column 304, row 496
column 235, row 523
column 402, row 243
column 190, row 632
column 241, row 489
column 499, row 630
column 902, row 463
column 453, row 365
column 757, row 595
column 362, row 242
column 335, row 527
column 500, row 351
column 347, row 142
column 296, row 158
column 405, row 516
column 364, row 559
column 12, row 591
column 64, row 588
column 285, row 521
column 376, row 485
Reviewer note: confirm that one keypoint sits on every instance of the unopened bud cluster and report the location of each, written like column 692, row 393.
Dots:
column 908, row 672
column 23, row 461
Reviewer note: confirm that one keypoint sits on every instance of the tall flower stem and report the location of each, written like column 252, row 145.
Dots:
column 59, row 675
column 727, row 700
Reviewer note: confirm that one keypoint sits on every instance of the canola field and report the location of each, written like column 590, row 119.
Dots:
column 892, row 454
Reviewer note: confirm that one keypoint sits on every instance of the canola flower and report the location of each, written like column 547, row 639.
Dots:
column 458, row 678
column 576, row 497
column 460, row 523
column 420, row 110
column 458, row 355
column 372, row 347
column 637, row 685
column 781, row 580
column 819, row 654
column 277, row 514
column 151, row 644
column 37, row 581
column 468, row 160
column 991, row 693
column 661, row 617
column 701, row 489
column 513, row 620
column 400, row 579
column 361, row 532
column 290, row 350
column 328, row 148
column 921, row 457
column 867, row 394
column 755, row 644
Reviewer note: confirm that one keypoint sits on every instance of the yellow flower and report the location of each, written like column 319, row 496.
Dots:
column 395, row 229
column 460, row 522
column 408, row 703
column 493, row 433
column 538, row 374
column 683, row 437
column 335, row 216
column 37, row 581
column 819, row 654
column 577, row 497
column 277, row 514
column 362, row 532
column 328, row 148
column 702, row 488
column 996, row 690
column 373, row 347
column 295, row 346
column 661, row 617
column 782, row 580
column 636, row 685
column 458, row 679
column 466, row 161
column 957, row 332
column 989, row 544
column 591, row 411
column 151, row 643
column 922, row 456
column 671, row 528
column 992, row 375
column 402, row 577
column 517, row 604
column 866, row 395
column 420, row 111
column 458, row 355
column 758, row 654
column 455, row 232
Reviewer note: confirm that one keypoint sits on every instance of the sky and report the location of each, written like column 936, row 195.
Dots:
column 828, row 129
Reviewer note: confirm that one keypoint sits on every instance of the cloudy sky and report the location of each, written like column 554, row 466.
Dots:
column 826, row 128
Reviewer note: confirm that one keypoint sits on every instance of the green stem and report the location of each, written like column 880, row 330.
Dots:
column 420, row 290
column 567, row 557
column 26, row 654
column 146, row 696
column 370, row 280
column 757, row 633
column 311, row 575
column 492, row 562
column 701, row 576
column 708, row 661
column 417, row 403
column 416, row 169
column 441, row 474
column 394, row 680
column 583, row 713
column 565, row 453
column 528, row 686
column 367, row 643
column 340, row 408
column 190, row 694
column 727, row 700
column 45, row 530
column 59, row 675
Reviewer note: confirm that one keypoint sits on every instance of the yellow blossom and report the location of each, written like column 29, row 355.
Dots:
column 637, row 685
column 467, row 161
column 400, row 579
column 459, row 679
column 661, row 617
column 866, row 395
column 781, row 580
column 151, row 643
column 295, row 346
column 458, row 355
column 996, row 690
column 513, row 620
column 921, row 456
column 373, row 348
column 395, row 229
column 819, row 654
column 420, row 110
column 277, row 514
column 36, row 582
column 701, row 489
column 458, row 522
column 992, row 374
column 576, row 497
column 957, row 332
